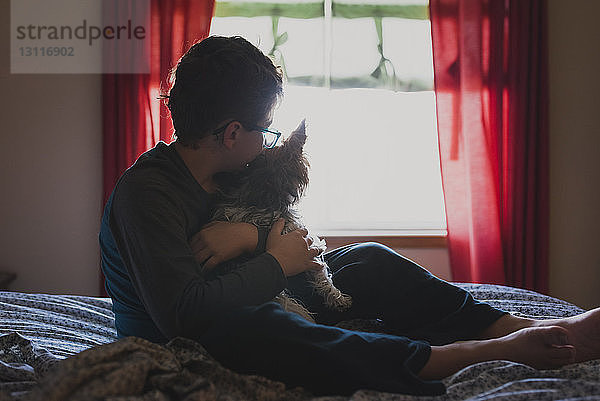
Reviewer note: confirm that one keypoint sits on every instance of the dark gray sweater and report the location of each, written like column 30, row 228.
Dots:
column 151, row 274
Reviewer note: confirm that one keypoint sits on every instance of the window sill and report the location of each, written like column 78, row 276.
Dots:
column 397, row 240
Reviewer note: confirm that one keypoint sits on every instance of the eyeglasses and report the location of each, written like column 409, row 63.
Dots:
column 270, row 137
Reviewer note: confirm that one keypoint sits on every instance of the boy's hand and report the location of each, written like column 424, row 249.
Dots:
column 220, row 241
column 291, row 250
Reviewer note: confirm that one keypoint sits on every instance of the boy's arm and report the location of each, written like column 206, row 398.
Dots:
column 149, row 229
column 221, row 241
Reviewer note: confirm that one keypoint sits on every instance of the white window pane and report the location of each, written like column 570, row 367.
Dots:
column 374, row 159
column 354, row 51
column 374, row 153
column 407, row 43
column 282, row 1
column 303, row 51
column 256, row 30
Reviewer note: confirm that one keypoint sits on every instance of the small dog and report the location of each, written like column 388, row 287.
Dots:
column 268, row 189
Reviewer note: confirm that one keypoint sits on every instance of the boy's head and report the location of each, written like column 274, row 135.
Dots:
column 221, row 78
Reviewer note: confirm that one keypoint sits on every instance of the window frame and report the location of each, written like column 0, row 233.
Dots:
column 329, row 9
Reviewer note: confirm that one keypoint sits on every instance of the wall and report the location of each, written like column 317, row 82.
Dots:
column 50, row 157
column 574, row 151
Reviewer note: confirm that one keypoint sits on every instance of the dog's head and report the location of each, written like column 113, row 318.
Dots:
column 275, row 180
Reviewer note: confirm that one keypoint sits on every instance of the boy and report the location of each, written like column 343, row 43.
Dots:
column 155, row 239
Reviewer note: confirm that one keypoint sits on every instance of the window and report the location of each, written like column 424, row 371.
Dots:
column 362, row 75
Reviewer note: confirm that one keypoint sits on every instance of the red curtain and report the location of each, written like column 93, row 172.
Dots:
column 491, row 82
column 133, row 119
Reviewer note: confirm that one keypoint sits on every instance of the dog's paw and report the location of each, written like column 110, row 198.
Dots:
column 318, row 243
column 341, row 303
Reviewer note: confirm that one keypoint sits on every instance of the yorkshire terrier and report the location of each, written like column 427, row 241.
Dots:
column 270, row 188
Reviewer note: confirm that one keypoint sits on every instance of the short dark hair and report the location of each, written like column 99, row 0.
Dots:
column 220, row 78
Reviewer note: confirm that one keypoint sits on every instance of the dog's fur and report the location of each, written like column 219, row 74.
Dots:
column 268, row 189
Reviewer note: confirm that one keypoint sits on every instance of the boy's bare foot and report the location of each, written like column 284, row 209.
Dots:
column 583, row 332
column 545, row 347
column 540, row 347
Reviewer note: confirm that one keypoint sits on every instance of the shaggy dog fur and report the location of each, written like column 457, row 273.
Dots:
column 269, row 188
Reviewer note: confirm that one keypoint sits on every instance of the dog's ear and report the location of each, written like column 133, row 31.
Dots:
column 298, row 137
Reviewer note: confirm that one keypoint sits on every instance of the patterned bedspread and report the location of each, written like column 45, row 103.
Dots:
column 57, row 347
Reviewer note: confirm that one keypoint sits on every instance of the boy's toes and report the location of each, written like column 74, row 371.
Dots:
column 562, row 355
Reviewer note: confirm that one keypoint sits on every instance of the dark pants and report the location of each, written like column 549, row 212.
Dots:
column 418, row 307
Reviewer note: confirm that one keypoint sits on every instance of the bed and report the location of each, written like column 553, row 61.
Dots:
column 58, row 347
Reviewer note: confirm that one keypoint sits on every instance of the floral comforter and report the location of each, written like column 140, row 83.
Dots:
column 62, row 347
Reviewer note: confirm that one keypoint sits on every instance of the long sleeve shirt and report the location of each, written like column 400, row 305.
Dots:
column 151, row 275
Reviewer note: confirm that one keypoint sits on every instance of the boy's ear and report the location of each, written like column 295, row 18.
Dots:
column 231, row 134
